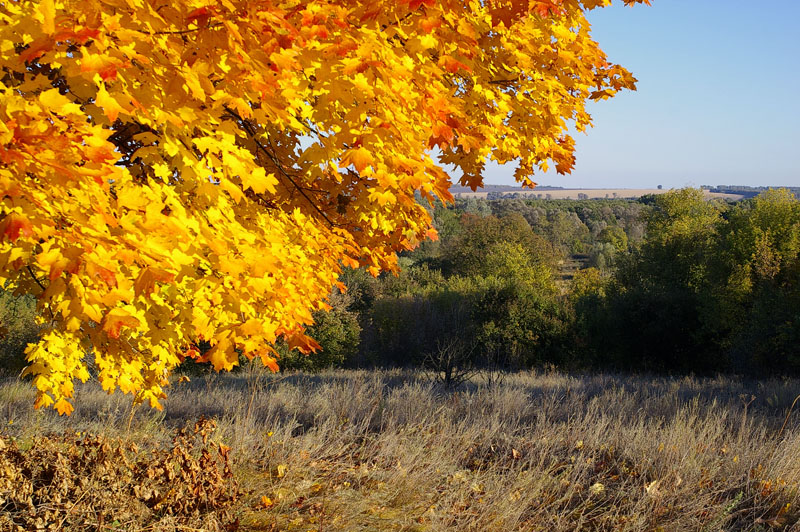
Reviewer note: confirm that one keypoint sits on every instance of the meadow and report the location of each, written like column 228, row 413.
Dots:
column 394, row 450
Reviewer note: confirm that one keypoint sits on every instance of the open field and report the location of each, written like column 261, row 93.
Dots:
column 590, row 193
column 392, row 450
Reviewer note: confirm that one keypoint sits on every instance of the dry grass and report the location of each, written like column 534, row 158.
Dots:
column 356, row 450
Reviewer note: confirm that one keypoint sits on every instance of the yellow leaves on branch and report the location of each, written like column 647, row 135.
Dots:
column 177, row 173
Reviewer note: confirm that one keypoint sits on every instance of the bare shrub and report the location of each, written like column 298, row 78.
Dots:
column 452, row 361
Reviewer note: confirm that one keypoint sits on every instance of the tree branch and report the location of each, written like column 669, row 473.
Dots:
column 181, row 32
column 30, row 271
column 504, row 81
column 252, row 133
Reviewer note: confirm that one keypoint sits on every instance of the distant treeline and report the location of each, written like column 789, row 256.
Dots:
column 669, row 283
column 460, row 189
column 746, row 191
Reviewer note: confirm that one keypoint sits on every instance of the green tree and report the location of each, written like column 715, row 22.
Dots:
column 660, row 297
column 466, row 253
column 615, row 236
column 761, row 291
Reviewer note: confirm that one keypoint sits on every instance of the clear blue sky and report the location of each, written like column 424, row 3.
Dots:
column 718, row 98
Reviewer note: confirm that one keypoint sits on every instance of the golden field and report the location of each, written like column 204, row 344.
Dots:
column 394, row 450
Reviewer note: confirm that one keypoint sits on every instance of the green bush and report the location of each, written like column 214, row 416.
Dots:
column 18, row 328
column 336, row 330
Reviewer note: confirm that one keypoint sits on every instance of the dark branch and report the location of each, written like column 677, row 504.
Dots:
column 271, row 156
column 504, row 81
column 30, row 271
column 181, row 32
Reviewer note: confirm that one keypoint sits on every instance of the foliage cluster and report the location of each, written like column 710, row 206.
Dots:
column 173, row 174
column 337, row 331
column 490, row 285
column 575, row 225
column 674, row 283
column 490, row 293
column 18, row 328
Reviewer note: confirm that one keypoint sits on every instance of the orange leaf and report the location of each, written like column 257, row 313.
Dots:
column 116, row 319
column 36, row 49
column 14, row 226
column 453, row 65
column 413, row 5
column 601, row 95
column 271, row 363
column 63, row 407
column 200, row 15
column 359, row 157
column 545, row 8
column 146, row 282
column 303, row 343
column 106, row 275
column 222, row 355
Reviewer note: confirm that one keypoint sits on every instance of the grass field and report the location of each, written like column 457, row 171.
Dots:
column 392, row 450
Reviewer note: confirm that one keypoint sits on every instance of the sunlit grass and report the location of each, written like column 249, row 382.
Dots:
column 391, row 450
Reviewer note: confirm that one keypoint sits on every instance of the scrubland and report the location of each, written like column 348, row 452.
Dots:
column 393, row 450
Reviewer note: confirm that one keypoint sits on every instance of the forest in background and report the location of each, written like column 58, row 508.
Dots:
column 672, row 283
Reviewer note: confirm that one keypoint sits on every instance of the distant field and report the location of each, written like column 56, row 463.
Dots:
column 394, row 451
column 589, row 193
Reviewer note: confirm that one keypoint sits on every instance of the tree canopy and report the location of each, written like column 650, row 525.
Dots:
column 177, row 172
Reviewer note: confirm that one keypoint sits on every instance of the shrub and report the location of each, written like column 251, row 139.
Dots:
column 338, row 333
column 18, row 328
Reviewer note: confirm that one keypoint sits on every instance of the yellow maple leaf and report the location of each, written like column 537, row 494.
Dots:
column 360, row 158
column 108, row 103
column 222, row 355
column 63, row 407
column 58, row 103
column 46, row 11
column 116, row 319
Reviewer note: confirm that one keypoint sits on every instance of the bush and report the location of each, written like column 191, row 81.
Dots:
column 18, row 328
column 336, row 330
column 403, row 328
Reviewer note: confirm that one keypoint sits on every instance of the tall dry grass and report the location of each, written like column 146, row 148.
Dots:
column 391, row 450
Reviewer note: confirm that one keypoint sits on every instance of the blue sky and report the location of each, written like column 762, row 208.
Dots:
column 718, row 98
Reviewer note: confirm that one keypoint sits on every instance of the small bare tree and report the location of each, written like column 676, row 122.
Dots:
column 452, row 360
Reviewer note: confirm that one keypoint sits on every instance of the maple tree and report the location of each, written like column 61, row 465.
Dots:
column 172, row 172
